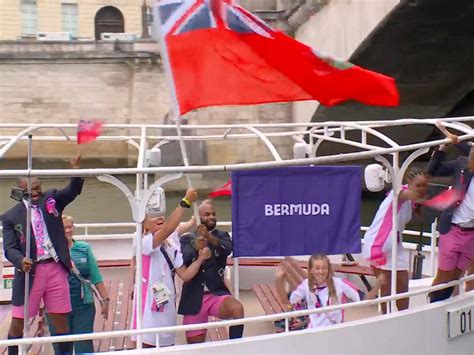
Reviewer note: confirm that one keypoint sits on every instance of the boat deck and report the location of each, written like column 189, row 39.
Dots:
column 251, row 304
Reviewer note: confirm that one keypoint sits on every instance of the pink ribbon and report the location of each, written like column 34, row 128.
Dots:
column 51, row 207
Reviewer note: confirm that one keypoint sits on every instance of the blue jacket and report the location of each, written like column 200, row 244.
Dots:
column 14, row 234
column 211, row 273
column 461, row 174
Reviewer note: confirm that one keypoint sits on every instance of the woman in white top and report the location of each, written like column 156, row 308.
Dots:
column 377, row 248
column 320, row 289
column 161, row 258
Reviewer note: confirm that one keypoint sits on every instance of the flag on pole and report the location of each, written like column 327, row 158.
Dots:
column 88, row 131
column 221, row 54
column 224, row 190
column 445, row 199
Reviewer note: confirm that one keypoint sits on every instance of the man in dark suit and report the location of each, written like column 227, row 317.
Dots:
column 49, row 262
column 456, row 223
column 206, row 294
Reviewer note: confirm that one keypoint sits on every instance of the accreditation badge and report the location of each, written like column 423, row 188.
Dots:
column 161, row 293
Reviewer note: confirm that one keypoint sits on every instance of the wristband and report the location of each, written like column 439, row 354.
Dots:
column 106, row 300
column 185, row 203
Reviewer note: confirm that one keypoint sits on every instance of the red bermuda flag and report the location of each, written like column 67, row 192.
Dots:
column 445, row 199
column 224, row 190
column 88, row 131
column 221, row 54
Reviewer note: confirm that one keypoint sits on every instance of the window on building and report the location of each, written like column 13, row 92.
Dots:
column 69, row 18
column 29, row 18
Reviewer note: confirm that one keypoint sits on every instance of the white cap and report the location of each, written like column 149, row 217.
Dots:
column 156, row 206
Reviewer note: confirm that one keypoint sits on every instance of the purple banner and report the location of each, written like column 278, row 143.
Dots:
column 296, row 211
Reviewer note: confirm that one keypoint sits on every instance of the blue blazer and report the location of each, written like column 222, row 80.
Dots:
column 14, row 234
column 211, row 272
column 461, row 174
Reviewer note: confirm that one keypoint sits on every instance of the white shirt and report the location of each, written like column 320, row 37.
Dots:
column 464, row 214
column 328, row 318
column 381, row 227
column 155, row 270
column 47, row 244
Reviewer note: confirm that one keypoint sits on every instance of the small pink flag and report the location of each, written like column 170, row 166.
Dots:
column 445, row 199
column 88, row 131
column 224, row 190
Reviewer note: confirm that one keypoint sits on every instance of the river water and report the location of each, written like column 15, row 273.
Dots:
column 102, row 202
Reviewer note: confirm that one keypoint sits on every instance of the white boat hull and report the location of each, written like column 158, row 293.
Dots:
column 423, row 330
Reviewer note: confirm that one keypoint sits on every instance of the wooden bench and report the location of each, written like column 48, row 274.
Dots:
column 268, row 297
column 218, row 333
column 341, row 268
column 267, row 294
column 361, row 271
column 119, row 318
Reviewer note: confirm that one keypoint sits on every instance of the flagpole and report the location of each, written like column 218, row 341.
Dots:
column 28, row 244
column 175, row 112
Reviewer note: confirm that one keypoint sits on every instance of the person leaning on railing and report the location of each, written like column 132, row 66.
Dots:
column 83, row 275
column 456, row 223
column 377, row 248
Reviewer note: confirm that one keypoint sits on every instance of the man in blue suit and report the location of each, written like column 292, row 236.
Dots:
column 49, row 262
column 456, row 223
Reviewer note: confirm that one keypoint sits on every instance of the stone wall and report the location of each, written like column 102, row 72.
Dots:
column 62, row 83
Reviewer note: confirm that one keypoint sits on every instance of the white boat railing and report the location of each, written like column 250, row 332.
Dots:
column 84, row 233
column 250, row 320
column 315, row 133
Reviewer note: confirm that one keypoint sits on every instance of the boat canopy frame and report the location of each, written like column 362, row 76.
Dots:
column 314, row 133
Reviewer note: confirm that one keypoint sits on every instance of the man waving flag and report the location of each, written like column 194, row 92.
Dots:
column 221, row 54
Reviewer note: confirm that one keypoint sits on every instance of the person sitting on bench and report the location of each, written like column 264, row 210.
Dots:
column 320, row 289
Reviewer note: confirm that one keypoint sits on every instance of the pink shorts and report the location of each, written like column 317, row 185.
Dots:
column 50, row 285
column 210, row 307
column 456, row 249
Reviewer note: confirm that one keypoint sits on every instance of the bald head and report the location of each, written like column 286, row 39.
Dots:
column 36, row 191
column 207, row 214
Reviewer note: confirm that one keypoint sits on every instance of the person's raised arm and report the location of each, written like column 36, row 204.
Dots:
column 187, row 226
column 437, row 165
column 280, row 285
column 175, row 218
column 66, row 195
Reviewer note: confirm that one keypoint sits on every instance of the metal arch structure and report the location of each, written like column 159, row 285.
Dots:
column 329, row 131
column 138, row 203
